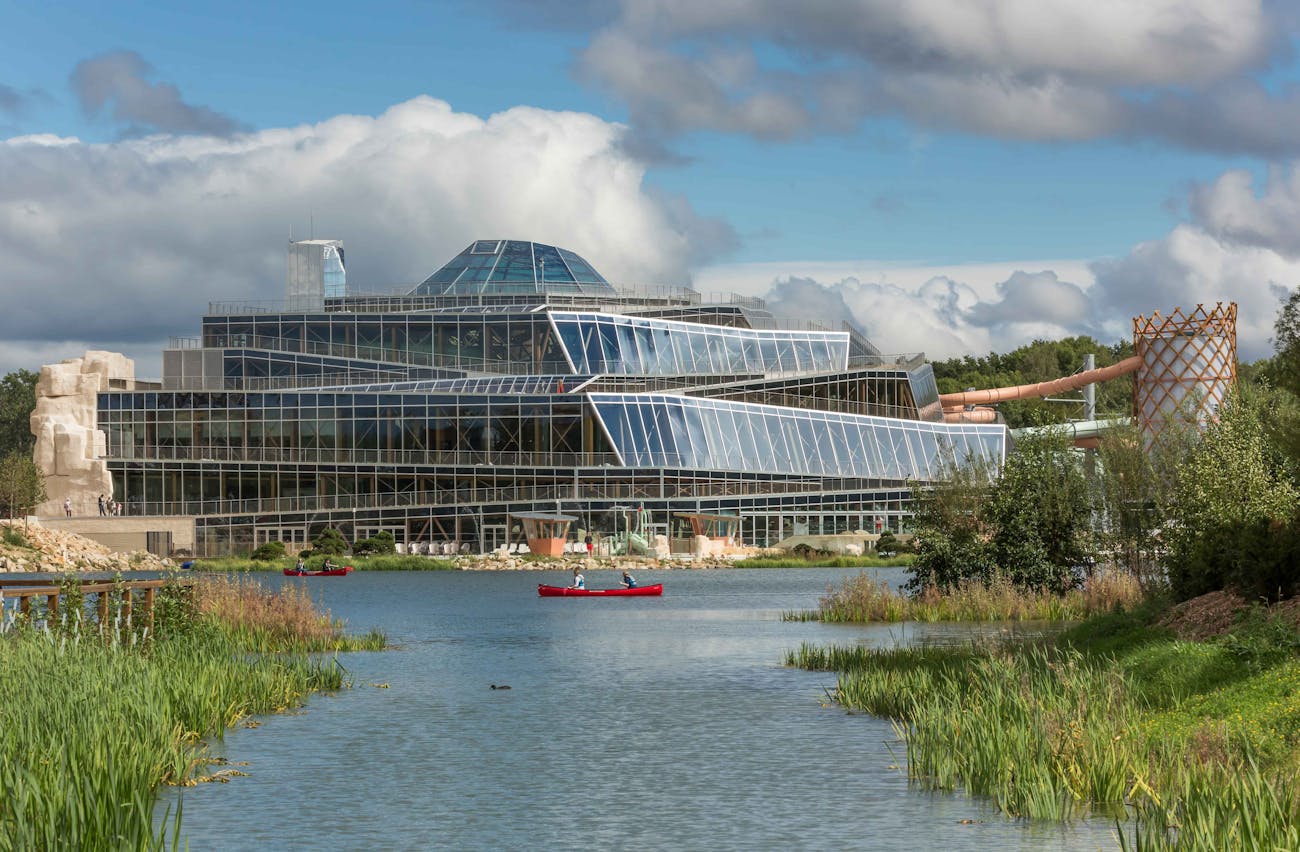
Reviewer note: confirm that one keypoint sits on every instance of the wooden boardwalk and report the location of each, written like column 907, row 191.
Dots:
column 25, row 590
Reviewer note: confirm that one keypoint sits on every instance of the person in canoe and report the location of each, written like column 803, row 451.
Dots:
column 579, row 582
column 627, row 582
column 329, row 564
column 301, row 567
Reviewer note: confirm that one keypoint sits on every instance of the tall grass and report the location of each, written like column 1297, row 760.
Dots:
column 285, row 620
column 867, row 598
column 93, row 718
column 1050, row 732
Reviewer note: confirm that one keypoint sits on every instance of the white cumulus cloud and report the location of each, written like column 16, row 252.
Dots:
column 128, row 241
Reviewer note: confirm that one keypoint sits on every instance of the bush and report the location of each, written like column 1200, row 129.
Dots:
column 887, row 544
column 330, row 542
column 269, row 552
column 14, row 537
column 381, row 543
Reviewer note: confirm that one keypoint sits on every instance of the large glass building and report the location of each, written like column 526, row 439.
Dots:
column 517, row 379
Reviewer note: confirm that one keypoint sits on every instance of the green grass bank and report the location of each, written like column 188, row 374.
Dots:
column 1185, row 744
column 868, row 598
column 95, row 717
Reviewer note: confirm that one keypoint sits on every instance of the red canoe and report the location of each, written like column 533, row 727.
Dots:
column 566, row 592
column 332, row 572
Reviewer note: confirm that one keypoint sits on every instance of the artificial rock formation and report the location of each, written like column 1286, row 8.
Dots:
column 69, row 444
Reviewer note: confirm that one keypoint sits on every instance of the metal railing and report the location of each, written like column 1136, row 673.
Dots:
column 369, row 456
column 471, row 364
column 400, row 299
column 469, row 495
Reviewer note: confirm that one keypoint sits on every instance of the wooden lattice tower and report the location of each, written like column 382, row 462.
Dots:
column 1189, row 366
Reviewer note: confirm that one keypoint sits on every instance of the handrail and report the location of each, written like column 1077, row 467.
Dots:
column 471, row 364
column 401, row 299
column 354, row 455
column 467, row 495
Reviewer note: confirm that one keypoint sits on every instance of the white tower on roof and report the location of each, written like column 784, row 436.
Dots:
column 315, row 272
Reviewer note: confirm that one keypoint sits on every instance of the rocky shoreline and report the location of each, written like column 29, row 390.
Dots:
column 32, row 548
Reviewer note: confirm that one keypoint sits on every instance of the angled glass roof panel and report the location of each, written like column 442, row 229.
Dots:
column 514, row 266
column 582, row 271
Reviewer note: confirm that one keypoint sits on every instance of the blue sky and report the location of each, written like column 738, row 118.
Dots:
column 790, row 142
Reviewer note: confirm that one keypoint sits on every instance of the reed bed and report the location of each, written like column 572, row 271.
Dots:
column 284, row 620
column 96, row 716
column 1180, row 748
column 867, row 598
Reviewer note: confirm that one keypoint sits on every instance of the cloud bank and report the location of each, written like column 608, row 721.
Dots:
column 126, row 242
column 1184, row 72
column 1239, row 247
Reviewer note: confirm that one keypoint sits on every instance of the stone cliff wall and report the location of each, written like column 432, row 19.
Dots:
column 69, row 445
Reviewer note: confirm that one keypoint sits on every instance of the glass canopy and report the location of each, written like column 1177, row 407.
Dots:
column 514, row 267
column 610, row 343
column 661, row 430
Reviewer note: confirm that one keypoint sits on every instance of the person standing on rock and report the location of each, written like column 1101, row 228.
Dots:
column 102, row 510
column 67, row 506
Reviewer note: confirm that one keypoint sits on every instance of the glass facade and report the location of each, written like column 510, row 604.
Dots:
column 437, row 423
column 515, row 266
column 656, row 430
column 635, row 346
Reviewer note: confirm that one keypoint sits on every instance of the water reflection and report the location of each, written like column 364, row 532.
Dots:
column 636, row 723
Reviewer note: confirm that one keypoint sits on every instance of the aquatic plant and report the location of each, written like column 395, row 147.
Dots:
column 1179, row 742
column 867, row 598
column 97, row 716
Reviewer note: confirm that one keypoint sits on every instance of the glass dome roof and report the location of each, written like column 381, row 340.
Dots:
column 514, row 267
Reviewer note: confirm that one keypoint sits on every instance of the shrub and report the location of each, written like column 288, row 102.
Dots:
column 269, row 552
column 330, row 542
column 14, row 537
column 381, row 543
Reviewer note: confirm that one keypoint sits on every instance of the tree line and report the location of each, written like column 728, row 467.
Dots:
column 1195, row 513
column 21, row 485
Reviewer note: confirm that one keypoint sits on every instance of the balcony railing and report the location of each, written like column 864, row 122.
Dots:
column 700, row 486
column 367, row 456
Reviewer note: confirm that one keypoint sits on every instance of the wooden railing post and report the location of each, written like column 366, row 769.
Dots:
column 148, row 608
column 51, row 607
column 126, row 605
column 102, row 606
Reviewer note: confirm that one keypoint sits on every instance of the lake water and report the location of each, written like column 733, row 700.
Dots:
column 637, row 723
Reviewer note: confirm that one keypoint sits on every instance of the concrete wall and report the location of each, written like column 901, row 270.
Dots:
column 125, row 534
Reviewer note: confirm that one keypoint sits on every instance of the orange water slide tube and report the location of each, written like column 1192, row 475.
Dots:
column 992, row 396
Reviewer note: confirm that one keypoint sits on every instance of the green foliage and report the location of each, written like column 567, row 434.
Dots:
column 269, row 552
column 175, row 608
column 13, row 536
column 952, row 527
column 1133, row 491
column 381, row 543
column 1116, row 718
column 1262, row 640
column 22, row 487
column 1232, row 516
column 1039, row 361
column 93, row 728
column 1039, row 511
column 1027, row 526
column 17, row 402
column 1284, row 370
column 330, row 542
